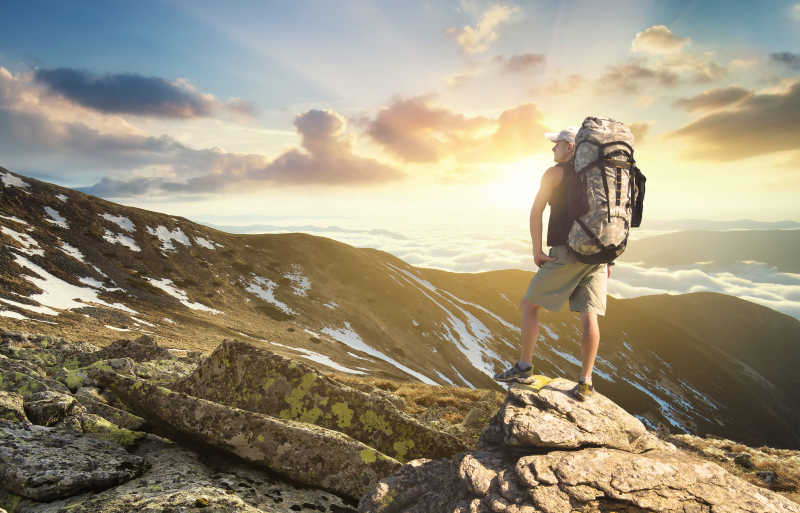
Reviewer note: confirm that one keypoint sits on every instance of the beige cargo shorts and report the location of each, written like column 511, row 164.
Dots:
column 584, row 285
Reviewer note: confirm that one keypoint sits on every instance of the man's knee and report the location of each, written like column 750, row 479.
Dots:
column 526, row 305
column 589, row 321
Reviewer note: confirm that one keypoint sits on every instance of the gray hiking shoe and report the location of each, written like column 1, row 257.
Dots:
column 581, row 391
column 515, row 374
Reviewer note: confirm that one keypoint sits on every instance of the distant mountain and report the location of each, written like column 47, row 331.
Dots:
column 705, row 224
column 778, row 248
column 699, row 363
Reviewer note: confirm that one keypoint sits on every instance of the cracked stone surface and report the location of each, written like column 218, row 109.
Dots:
column 550, row 418
column 304, row 452
column 46, row 463
column 544, row 452
column 178, row 480
column 255, row 379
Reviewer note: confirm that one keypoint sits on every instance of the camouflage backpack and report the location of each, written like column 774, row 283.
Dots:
column 606, row 191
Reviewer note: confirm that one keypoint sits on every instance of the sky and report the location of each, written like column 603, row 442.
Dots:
column 398, row 115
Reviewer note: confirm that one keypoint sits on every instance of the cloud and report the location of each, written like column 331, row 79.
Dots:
column 788, row 59
column 631, row 76
column 796, row 11
column 327, row 160
column 130, row 93
column 415, row 130
column 135, row 163
column 759, row 125
column 520, row 63
column 640, row 131
column 713, row 99
column 458, row 79
column 477, row 39
column 568, row 86
column 753, row 281
column 658, row 39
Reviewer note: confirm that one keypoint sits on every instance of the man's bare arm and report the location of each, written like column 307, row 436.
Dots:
column 551, row 178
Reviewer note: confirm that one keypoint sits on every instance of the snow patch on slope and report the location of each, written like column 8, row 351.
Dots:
column 352, row 339
column 169, row 287
column 54, row 217
column 118, row 238
column 29, row 245
column 168, row 236
column 57, row 293
column 121, row 221
column 265, row 289
column 300, row 283
column 10, row 180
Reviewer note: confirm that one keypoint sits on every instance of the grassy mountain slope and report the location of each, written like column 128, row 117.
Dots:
column 697, row 363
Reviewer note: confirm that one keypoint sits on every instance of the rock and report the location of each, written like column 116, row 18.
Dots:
column 82, row 376
column 95, row 403
column 177, row 479
column 47, row 352
column 140, row 350
column 592, row 479
column 550, row 418
column 163, row 372
column 97, row 426
column 304, row 452
column 48, row 407
column 254, row 379
column 12, row 408
column 25, row 379
column 420, row 486
column 46, row 463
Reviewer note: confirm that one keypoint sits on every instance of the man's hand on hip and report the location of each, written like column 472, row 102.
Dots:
column 540, row 258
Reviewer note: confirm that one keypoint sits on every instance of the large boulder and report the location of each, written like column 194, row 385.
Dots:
column 547, row 417
column 304, row 452
column 178, row 480
column 47, row 408
column 603, row 462
column 44, row 464
column 254, row 379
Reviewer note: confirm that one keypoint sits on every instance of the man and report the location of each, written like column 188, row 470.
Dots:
column 561, row 277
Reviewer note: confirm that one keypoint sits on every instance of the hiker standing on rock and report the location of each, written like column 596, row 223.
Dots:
column 561, row 276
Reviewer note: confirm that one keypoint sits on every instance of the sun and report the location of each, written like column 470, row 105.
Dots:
column 518, row 182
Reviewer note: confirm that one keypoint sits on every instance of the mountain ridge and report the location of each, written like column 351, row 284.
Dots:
column 364, row 311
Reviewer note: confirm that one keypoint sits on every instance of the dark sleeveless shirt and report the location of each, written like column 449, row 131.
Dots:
column 558, row 225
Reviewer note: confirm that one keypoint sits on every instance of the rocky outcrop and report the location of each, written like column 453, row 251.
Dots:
column 25, row 378
column 12, row 408
column 255, row 379
column 45, row 463
column 548, row 417
column 177, row 480
column 304, row 452
column 545, row 452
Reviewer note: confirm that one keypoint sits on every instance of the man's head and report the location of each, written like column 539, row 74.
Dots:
column 564, row 143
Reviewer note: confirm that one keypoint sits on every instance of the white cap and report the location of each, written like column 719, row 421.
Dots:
column 568, row 134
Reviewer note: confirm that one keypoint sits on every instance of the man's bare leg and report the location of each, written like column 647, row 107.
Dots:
column 530, row 330
column 590, row 343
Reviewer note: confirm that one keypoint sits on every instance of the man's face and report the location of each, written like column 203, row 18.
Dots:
column 562, row 151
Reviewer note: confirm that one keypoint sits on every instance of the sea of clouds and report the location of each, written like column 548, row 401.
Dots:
column 467, row 249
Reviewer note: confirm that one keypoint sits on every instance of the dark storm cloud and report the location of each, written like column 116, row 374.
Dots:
column 130, row 93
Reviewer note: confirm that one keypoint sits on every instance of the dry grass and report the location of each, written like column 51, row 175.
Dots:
column 444, row 408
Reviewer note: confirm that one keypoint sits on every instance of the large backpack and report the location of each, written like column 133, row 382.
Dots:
column 605, row 193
